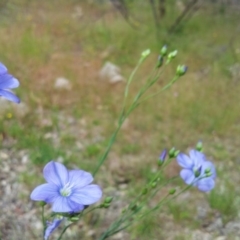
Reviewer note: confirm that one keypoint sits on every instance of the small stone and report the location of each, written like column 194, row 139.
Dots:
column 62, row 83
column 221, row 238
column 91, row 233
column 78, row 12
column 216, row 225
column 199, row 235
column 232, row 228
column 111, row 72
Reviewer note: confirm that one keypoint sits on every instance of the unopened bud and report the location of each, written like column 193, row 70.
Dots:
column 154, row 184
column 144, row 191
column 160, row 61
column 42, row 204
column 145, row 53
column 133, row 207
column 74, row 219
column 106, row 205
column 199, row 146
column 181, row 70
column 197, row 172
column 173, row 153
column 208, row 172
column 176, row 153
column 108, row 199
column 172, row 55
column 172, row 191
column 162, row 157
column 164, row 51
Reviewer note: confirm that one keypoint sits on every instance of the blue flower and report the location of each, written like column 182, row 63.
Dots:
column 7, row 81
column 51, row 226
column 197, row 170
column 68, row 191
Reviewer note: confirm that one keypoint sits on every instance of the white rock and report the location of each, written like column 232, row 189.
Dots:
column 111, row 72
column 78, row 12
column 199, row 235
column 116, row 79
column 235, row 71
column 221, row 238
column 62, row 83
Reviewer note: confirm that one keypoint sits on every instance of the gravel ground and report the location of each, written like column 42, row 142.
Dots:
column 19, row 219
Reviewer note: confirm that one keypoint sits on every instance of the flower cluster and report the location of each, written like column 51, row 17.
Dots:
column 67, row 191
column 197, row 170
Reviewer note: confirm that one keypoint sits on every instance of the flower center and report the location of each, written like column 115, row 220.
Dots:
column 197, row 171
column 66, row 190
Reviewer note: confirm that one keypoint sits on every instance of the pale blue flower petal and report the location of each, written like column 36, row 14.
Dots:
column 80, row 178
column 66, row 205
column 3, row 69
column 67, row 191
column 184, row 161
column 197, row 157
column 187, row 176
column 87, row 195
column 51, row 227
column 206, row 184
column 75, row 207
column 56, row 173
column 45, row 192
column 7, row 81
column 61, row 205
column 9, row 96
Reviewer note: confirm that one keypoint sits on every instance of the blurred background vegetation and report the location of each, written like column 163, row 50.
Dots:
column 41, row 41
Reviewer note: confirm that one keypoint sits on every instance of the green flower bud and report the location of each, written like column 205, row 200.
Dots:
column 172, row 191
column 197, row 172
column 171, row 153
column 42, row 204
column 133, row 207
column 154, row 184
column 208, row 172
column 145, row 53
column 144, row 191
column 172, row 55
column 181, row 70
column 176, row 153
column 160, row 61
column 74, row 219
column 164, row 51
column 199, row 146
column 106, row 205
column 108, row 199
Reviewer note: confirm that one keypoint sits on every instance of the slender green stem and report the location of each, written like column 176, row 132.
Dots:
column 104, row 156
column 160, row 204
column 135, row 103
column 131, row 78
column 84, row 213
column 63, row 231
column 162, row 90
column 43, row 220
column 120, row 121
